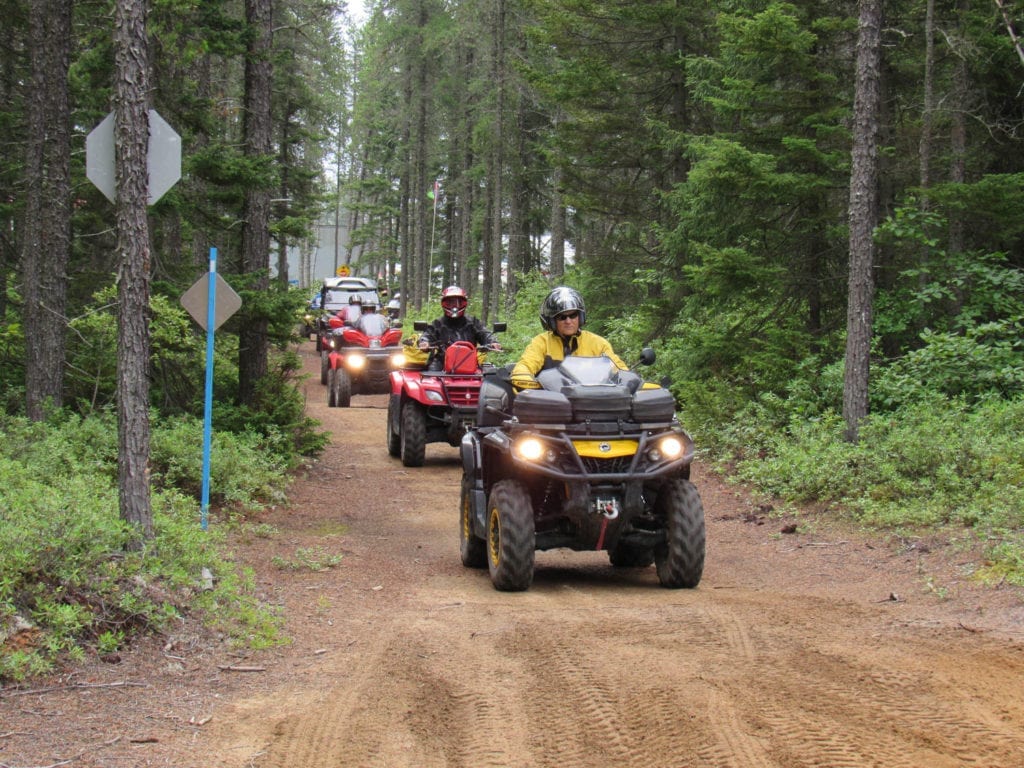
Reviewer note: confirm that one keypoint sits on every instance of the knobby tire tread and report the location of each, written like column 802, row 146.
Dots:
column 414, row 434
column 680, row 559
column 511, row 537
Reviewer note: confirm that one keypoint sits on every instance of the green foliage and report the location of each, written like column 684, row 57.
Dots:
column 933, row 463
column 984, row 360
column 12, row 366
column 68, row 571
column 243, row 473
column 276, row 422
column 277, row 418
column 177, row 359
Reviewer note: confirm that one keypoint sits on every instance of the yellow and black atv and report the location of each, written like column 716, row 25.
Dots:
column 592, row 460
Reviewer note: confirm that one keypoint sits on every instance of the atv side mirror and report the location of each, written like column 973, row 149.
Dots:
column 646, row 356
column 420, row 325
column 500, row 327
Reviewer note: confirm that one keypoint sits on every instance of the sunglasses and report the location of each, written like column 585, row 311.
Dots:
column 567, row 316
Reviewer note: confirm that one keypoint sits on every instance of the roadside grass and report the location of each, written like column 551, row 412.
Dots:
column 937, row 464
column 71, row 584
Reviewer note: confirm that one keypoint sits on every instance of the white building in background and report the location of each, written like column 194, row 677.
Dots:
column 329, row 250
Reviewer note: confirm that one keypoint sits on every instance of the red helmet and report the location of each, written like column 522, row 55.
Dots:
column 454, row 301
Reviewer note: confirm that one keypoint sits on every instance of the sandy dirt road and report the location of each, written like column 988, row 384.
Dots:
column 817, row 648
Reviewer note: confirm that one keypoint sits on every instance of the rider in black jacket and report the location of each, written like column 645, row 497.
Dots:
column 454, row 325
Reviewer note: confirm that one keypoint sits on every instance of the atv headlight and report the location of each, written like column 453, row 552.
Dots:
column 529, row 448
column 397, row 360
column 432, row 396
column 330, row 343
column 356, row 361
column 669, row 448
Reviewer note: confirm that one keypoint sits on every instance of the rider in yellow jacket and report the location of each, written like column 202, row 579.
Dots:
column 562, row 314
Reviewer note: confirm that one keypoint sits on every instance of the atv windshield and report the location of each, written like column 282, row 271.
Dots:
column 588, row 371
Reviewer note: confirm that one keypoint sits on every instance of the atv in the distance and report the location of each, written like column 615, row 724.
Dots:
column 593, row 460
column 360, row 359
column 435, row 406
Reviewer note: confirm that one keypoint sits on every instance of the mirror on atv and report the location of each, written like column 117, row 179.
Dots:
column 420, row 325
column 500, row 327
column 646, row 356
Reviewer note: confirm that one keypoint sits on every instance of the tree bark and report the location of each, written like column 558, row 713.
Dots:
column 492, row 281
column 557, row 263
column 46, row 246
column 253, row 345
column 863, row 216
column 131, row 134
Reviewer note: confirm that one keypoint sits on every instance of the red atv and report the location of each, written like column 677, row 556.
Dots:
column 435, row 406
column 360, row 358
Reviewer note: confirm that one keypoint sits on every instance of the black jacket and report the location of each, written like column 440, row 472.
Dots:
column 445, row 330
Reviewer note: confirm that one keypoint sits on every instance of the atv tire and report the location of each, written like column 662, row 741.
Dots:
column 325, row 367
column 341, row 388
column 680, row 558
column 511, row 537
column 413, row 440
column 332, row 400
column 472, row 548
column 394, row 439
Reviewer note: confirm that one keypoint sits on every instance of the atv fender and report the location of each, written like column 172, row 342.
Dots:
column 471, row 468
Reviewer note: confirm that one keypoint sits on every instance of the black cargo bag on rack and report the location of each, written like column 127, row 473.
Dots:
column 539, row 406
column 598, row 402
column 653, row 405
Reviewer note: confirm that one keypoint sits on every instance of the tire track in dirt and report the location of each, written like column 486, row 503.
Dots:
column 845, row 700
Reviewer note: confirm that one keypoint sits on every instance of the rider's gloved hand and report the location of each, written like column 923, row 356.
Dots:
column 423, row 344
column 496, row 347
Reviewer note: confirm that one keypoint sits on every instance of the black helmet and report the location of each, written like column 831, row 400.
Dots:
column 561, row 299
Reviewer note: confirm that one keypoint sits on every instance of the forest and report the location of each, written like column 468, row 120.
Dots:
column 813, row 211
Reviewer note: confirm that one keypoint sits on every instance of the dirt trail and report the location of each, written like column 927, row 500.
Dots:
column 819, row 648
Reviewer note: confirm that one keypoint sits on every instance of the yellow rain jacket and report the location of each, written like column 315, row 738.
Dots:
column 547, row 350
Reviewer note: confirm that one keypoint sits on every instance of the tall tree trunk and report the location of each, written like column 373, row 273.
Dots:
column 958, row 129
column 557, row 263
column 928, row 107
column 863, row 216
column 131, row 141
column 492, row 281
column 47, row 229
column 284, row 192
column 424, row 186
column 253, row 346
column 467, row 202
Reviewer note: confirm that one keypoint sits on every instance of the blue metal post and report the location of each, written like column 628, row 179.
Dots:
column 211, row 320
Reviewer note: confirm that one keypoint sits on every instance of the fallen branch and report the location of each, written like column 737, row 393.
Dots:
column 238, row 668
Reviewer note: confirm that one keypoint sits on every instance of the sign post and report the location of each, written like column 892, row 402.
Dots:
column 211, row 318
column 201, row 302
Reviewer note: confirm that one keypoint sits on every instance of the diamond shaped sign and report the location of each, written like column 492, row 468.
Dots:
column 163, row 160
column 196, row 301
